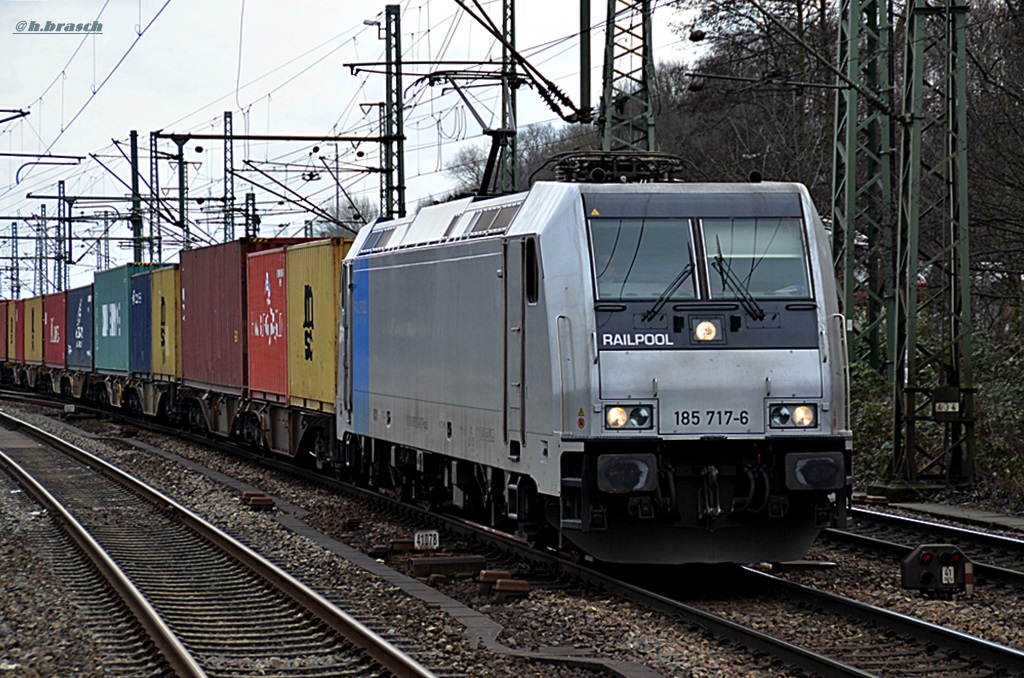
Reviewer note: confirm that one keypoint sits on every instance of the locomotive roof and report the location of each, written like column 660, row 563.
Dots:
column 492, row 217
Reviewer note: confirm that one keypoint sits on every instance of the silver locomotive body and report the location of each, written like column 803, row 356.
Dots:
column 650, row 372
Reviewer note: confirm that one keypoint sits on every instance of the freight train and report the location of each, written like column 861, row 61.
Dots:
column 642, row 372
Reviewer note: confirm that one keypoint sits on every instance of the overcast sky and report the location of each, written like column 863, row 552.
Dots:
column 280, row 67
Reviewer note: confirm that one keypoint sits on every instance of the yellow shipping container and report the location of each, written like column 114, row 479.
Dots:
column 166, row 309
column 34, row 331
column 313, row 279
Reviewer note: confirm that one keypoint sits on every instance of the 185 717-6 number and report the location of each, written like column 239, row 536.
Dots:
column 711, row 417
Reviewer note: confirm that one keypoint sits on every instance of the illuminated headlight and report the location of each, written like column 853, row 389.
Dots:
column 705, row 331
column 793, row 416
column 628, row 416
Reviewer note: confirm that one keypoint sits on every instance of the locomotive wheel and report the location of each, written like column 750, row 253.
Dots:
column 401, row 485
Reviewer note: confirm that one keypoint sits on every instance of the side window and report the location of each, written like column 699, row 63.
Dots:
column 532, row 272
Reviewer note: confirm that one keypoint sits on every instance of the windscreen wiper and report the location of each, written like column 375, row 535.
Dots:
column 669, row 291
column 730, row 279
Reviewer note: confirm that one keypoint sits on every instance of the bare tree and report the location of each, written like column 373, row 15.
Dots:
column 352, row 214
column 763, row 101
column 536, row 145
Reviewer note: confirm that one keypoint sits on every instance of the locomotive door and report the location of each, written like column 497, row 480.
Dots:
column 345, row 345
column 515, row 393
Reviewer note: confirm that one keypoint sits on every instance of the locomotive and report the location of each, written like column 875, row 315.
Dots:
column 653, row 372
column 632, row 369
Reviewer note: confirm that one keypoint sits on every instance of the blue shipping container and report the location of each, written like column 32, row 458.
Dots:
column 142, row 324
column 79, row 328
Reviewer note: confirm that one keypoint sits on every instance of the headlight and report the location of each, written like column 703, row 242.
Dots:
column 793, row 416
column 804, row 416
column 705, row 331
column 628, row 416
column 615, row 417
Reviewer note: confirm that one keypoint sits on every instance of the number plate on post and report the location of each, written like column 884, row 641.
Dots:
column 426, row 540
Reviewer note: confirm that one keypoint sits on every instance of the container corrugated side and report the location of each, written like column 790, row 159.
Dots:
column 268, row 337
column 16, row 331
column 314, row 284
column 141, row 337
column 80, row 328
column 166, row 323
column 214, row 334
column 3, row 329
column 34, row 331
column 55, row 319
column 112, row 319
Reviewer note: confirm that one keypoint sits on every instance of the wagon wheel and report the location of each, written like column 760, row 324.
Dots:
column 252, row 432
column 321, row 451
column 196, row 421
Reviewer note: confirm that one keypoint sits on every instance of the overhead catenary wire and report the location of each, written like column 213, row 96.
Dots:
column 451, row 28
column 97, row 89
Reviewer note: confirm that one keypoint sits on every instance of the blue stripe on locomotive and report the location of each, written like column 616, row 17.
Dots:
column 361, row 346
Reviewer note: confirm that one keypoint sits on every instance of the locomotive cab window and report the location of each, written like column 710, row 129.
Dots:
column 642, row 259
column 532, row 272
column 765, row 258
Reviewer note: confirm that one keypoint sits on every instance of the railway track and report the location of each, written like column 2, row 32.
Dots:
column 995, row 557
column 209, row 605
column 874, row 640
column 861, row 640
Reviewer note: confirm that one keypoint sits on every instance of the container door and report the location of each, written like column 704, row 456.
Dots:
column 514, row 339
column 141, row 321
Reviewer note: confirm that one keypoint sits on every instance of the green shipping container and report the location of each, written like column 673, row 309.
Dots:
column 313, row 279
column 112, row 318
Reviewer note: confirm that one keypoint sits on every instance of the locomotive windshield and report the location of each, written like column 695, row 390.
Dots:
column 766, row 255
column 641, row 258
column 654, row 258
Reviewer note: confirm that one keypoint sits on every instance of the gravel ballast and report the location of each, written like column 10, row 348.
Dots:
column 570, row 617
column 577, row 622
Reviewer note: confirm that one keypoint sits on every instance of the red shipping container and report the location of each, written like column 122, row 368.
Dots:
column 19, row 331
column 3, row 330
column 55, row 316
column 214, row 333
column 268, row 332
